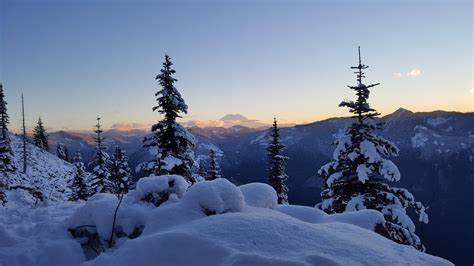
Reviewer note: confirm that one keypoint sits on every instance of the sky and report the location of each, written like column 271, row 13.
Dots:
column 74, row 60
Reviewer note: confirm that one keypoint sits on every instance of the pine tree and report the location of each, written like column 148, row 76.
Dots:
column 101, row 180
column 78, row 185
column 60, row 152
column 357, row 177
column 67, row 157
column 171, row 141
column 6, row 152
column 120, row 172
column 276, row 164
column 214, row 168
column 39, row 136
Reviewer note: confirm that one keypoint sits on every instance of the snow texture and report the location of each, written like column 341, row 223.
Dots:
column 187, row 233
column 259, row 195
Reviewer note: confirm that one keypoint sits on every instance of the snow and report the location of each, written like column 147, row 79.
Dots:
column 438, row 121
column 259, row 195
column 213, row 223
column 158, row 184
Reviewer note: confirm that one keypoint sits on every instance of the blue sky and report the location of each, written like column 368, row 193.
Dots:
column 74, row 60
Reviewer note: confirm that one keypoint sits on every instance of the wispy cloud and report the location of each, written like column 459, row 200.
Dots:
column 410, row 74
column 130, row 126
column 414, row 73
column 226, row 121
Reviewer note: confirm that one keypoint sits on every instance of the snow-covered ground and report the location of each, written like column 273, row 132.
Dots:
column 213, row 223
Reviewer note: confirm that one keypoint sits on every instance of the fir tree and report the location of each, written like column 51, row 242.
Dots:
column 67, row 157
column 276, row 164
column 120, row 172
column 60, row 152
column 214, row 168
column 101, row 180
column 6, row 152
column 78, row 185
column 171, row 141
column 39, row 136
column 357, row 177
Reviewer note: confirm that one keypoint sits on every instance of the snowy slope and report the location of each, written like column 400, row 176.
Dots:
column 45, row 171
column 213, row 223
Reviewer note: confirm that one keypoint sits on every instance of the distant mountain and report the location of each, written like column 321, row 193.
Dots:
column 436, row 162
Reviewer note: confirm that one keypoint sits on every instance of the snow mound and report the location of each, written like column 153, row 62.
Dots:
column 259, row 195
column 158, row 188
column 210, row 225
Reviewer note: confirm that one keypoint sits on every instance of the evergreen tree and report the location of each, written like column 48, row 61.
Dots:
column 60, row 152
column 78, row 185
column 202, row 169
column 357, row 177
column 276, row 164
column 120, row 172
column 101, row 180
column 214, row 168
column 39, row 136
column 6, row 152
column 171, row 142
column 67, row 157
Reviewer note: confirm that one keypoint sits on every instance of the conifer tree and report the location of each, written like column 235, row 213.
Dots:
column 60, row 152
column 202, row 169
column 214, row 168
column 79, row 185
column 357, row 177
column 39, row 136
column 67, row 157
column 171, row 142
column 120, row 172
column 6, row 152
column 101, row 180
column 276, row 164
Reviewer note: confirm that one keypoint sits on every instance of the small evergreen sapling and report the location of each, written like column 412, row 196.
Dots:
column 79, row 185
column 276, row 164
column 120, row 172
column 60, row 152
column 357, row 177
column 40, row 138
column 170, row 142
column 214, row 168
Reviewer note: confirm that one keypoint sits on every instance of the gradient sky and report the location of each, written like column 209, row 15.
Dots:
column 290, row 59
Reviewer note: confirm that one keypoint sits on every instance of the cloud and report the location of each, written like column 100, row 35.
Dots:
column 414, row 73
column 410, row 74
column 228, row 120
column 398, row 75
column 130, row 126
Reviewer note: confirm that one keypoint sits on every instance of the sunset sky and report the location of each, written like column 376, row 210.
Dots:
column 74, row 60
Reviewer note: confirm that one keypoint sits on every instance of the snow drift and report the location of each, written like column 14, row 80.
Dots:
column 213, row 223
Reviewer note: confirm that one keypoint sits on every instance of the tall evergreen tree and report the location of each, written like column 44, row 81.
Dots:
column 171, row 142
column 101, row 180
column 79, row 185
column 39, row 136
column 214, row 168
column 276, row 164
column 60, row 152
column 6, row 152
column 357, row 177
column 120, row 172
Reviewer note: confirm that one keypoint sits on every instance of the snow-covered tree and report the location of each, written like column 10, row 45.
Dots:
column 357, row 178
column 60, row 152
column 67, row 156
column 79, row 185
column 6, row 152
column 276, row 164
column 120, row 172
column 214, row 168
column 100, row 179
column 170, row 142
column 39, row 136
